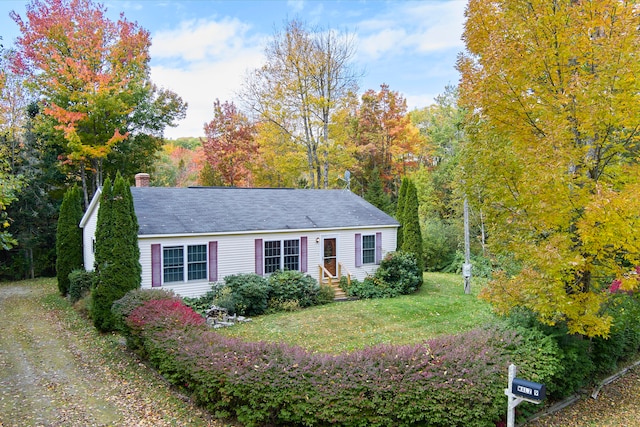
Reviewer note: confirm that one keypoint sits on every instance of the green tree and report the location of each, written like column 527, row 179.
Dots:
column 119, row 269
column 402, row 198
column 411, row 234
column 553, row 95
column 69, row 238
column 375, row 193
column 34, row 214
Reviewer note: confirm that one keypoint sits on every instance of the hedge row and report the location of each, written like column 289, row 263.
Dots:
column 449, row 381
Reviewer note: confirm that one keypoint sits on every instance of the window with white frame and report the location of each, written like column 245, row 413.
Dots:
column 369, row 249
column 173, row 263
column 281, row 255
column 197, row 262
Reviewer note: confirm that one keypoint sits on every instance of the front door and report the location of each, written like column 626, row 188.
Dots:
column 329, row 256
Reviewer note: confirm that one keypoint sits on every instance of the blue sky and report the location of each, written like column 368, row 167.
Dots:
column 202, row 49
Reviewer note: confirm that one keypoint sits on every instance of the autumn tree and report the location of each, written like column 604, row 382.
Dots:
column 230, row 146
column 297, row 89
column 385, row 138
column 553, row 94
column 92, row 75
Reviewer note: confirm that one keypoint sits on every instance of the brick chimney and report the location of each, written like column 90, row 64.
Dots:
column 142, row 180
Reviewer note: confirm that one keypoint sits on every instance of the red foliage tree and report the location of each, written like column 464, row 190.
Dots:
column 230, row 145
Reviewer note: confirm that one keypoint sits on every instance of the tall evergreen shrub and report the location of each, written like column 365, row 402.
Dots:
column 402, row 195
column 69, row 238
column 375, row 193
column 119, row 269
column 412, row 235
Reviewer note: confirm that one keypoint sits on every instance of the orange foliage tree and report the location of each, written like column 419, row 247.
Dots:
column 93, row 77
column 385, row 138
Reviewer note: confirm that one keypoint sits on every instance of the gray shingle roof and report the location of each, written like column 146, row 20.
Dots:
column 162, row 210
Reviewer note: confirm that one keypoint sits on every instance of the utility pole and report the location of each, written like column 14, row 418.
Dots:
column 466, row 267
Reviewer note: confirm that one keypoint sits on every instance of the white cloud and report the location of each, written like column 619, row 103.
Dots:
column 422, row 27
column 201, row 61
column 200, row 39
column 377, row 45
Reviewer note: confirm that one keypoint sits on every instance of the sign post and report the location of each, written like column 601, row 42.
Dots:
column 519, row 391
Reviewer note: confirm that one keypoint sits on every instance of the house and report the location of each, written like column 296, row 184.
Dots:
column 192, row 237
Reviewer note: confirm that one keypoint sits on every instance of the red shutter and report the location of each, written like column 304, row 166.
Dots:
column 358, row 250
column 156, row 265
column 303, row 254
column 213, row 261
column 378, row 247
column 259, row 259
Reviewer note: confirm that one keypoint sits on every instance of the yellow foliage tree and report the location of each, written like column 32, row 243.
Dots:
column 553, row 91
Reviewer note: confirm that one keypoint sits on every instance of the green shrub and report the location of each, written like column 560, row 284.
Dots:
column 80, row 283
column 289, row 285
column 69, row 238
column 440, row 243
column 624, row 339
column 204, row 302
column 577, row 367
column 401, row 271
column 250, row 293
column 398, row 274
column 326, row 295
column 369, row 288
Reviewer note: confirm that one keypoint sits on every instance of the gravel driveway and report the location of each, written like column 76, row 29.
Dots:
column 55, row 370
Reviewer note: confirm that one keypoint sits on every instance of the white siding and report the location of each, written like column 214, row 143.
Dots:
column 236, row 254
column 88, row 236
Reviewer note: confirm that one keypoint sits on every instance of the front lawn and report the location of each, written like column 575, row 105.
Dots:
column 439, row 307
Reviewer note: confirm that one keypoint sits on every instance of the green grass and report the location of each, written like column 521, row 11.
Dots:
column 440, row 307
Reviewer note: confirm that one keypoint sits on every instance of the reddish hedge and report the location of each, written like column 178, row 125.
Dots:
column 445, row 382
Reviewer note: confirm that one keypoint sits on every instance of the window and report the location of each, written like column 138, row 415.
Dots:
column 173, row 262
column 281, row 255
column 271, row 256
column 197, row 262
column 369, row 249
column 291, row 255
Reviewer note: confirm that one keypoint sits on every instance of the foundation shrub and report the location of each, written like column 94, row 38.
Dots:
column 326, row 294
column 250, row 293
column 448, row 381
column 204, row 302
column 369, row 288
column 401, row 271
column 398, row 274
column 289, row 285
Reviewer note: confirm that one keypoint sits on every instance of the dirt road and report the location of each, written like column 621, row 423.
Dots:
column 55, row 370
